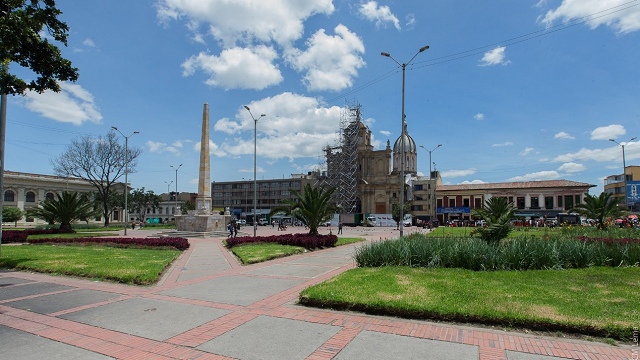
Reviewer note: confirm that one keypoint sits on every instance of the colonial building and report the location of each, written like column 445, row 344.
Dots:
column 532, row 199
column 24, row 191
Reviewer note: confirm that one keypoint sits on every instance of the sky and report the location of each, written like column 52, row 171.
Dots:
column 513, row 90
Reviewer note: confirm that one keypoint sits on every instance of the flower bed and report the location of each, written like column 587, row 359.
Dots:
column 609, row 241
column 20, row 236
column 175, row 242
column 305, row 240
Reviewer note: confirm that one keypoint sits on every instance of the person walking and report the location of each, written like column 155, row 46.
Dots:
column 340, row 228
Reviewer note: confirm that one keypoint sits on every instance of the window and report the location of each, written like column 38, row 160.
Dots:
column 452, row 202
column 49, row 196
column 535, row 203
column 577, row 199
column 520, row 202
column 418, row 187
column 560, row 201
column 465, row 202
column 9, row 196
column 115, row 216
column 568, row 202
column 30, row 196
column 548, row 202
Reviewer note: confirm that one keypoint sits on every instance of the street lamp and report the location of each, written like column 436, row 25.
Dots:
column 255, row 148
column 404, row 66
column 624, row 168
column 126, row 173
column 433, row 198
column 176, row 209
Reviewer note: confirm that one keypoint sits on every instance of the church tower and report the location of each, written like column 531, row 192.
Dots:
column 410, row 153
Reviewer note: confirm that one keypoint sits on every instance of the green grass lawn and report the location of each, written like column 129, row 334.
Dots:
column 593, row 301
column 125, row 265
column 259, row 252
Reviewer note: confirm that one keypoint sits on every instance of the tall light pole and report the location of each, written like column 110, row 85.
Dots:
column 176, row 210
column 404, row 67
column 126, row 173
column 433, row 198
column 255, row 148
column 624, row 168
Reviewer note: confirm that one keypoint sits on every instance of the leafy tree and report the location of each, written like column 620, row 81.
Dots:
column 21, row 24
column 312, row 207
column 100, row 161
column 64, row 209
column 140, row 202
column 395, row 212
column 188, row 205
column 11, row 214
column 497, row 213
column 599, row 208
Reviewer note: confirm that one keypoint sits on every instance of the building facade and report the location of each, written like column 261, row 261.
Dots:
column 615, row 185
column 532, row 199
column 25, row 191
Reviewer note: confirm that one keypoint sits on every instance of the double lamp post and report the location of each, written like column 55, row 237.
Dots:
column 126, row 173
column 402, row 135
column 255, row 148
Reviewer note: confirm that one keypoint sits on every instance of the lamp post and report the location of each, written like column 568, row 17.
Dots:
column 255, row 148
column 624, row 168
column 169, row 190
column 176, row 209
column 402, row 141
column 433, row 198
column 126, row 173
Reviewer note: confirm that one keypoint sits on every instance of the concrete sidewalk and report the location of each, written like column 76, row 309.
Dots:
column 210, row 307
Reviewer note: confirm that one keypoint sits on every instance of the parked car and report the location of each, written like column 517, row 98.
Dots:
column 262, row 222
column 407, row 223
column 326, row 223
column 242, row 222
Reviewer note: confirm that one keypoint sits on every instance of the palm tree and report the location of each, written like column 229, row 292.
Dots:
column 311, row 208
column 65, row 209
column 497, row 213
column 600, row 208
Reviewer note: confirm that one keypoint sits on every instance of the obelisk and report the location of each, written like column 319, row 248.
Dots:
column 203, row 200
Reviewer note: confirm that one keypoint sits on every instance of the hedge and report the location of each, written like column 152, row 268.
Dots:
column 304, row 240
column 176, row 242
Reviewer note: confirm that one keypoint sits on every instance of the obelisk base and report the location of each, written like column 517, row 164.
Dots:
column 202, row 222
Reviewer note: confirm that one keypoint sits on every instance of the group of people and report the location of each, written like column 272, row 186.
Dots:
column 233, row 228
column 133, row 225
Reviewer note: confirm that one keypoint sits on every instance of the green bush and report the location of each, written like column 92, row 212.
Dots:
column 515, row 254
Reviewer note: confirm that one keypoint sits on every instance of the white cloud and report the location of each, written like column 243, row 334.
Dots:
column 380, row 14
column 410, row 21
column 613, row 13
column 563, row 135
column 457, row 173
column 259, row 169
column 608, row 132
column 73, row 104
column 473, row 182
column 508, row 143
column 237, row 68
column 245, row 21
column 494, row 57
column 572, row 167
column 330, row 62
column 541, row 175
column 180, row 143
column 526, row 151
column 479, row 116
column 612, row 154
column 89, row 43
column 214, row 149
column 295, row 126
column 159, row 147
column 385, row 132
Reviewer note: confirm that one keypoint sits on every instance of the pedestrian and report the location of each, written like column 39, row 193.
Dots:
column 230, row 228
column 133, row 225
column 273, row 224
column 235, row 230
column 340, row 227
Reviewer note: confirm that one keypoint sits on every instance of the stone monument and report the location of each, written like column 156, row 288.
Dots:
column 203, row 219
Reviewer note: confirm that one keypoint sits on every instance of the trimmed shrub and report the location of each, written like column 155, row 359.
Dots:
column 176, row 242
column 304, row 240
column 20, row 236
column 516, row 254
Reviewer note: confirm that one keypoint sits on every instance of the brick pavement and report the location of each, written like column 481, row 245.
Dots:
column 194, row 313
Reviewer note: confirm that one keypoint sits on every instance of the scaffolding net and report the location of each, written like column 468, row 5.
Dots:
column 341, row 160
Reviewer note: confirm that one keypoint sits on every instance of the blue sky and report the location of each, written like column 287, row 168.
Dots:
column 513, row 90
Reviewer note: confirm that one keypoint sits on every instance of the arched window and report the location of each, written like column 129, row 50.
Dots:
column 30, row 196
column 9, row 196
column 49, row 196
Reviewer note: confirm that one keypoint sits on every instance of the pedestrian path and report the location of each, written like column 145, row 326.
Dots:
column 210, row 307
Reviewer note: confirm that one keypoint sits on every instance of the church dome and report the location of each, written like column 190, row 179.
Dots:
column 409, row 144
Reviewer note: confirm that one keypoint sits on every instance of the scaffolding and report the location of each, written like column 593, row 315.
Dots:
column 341, row 160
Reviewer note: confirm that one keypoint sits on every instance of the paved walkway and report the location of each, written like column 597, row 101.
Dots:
column 210, row 307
